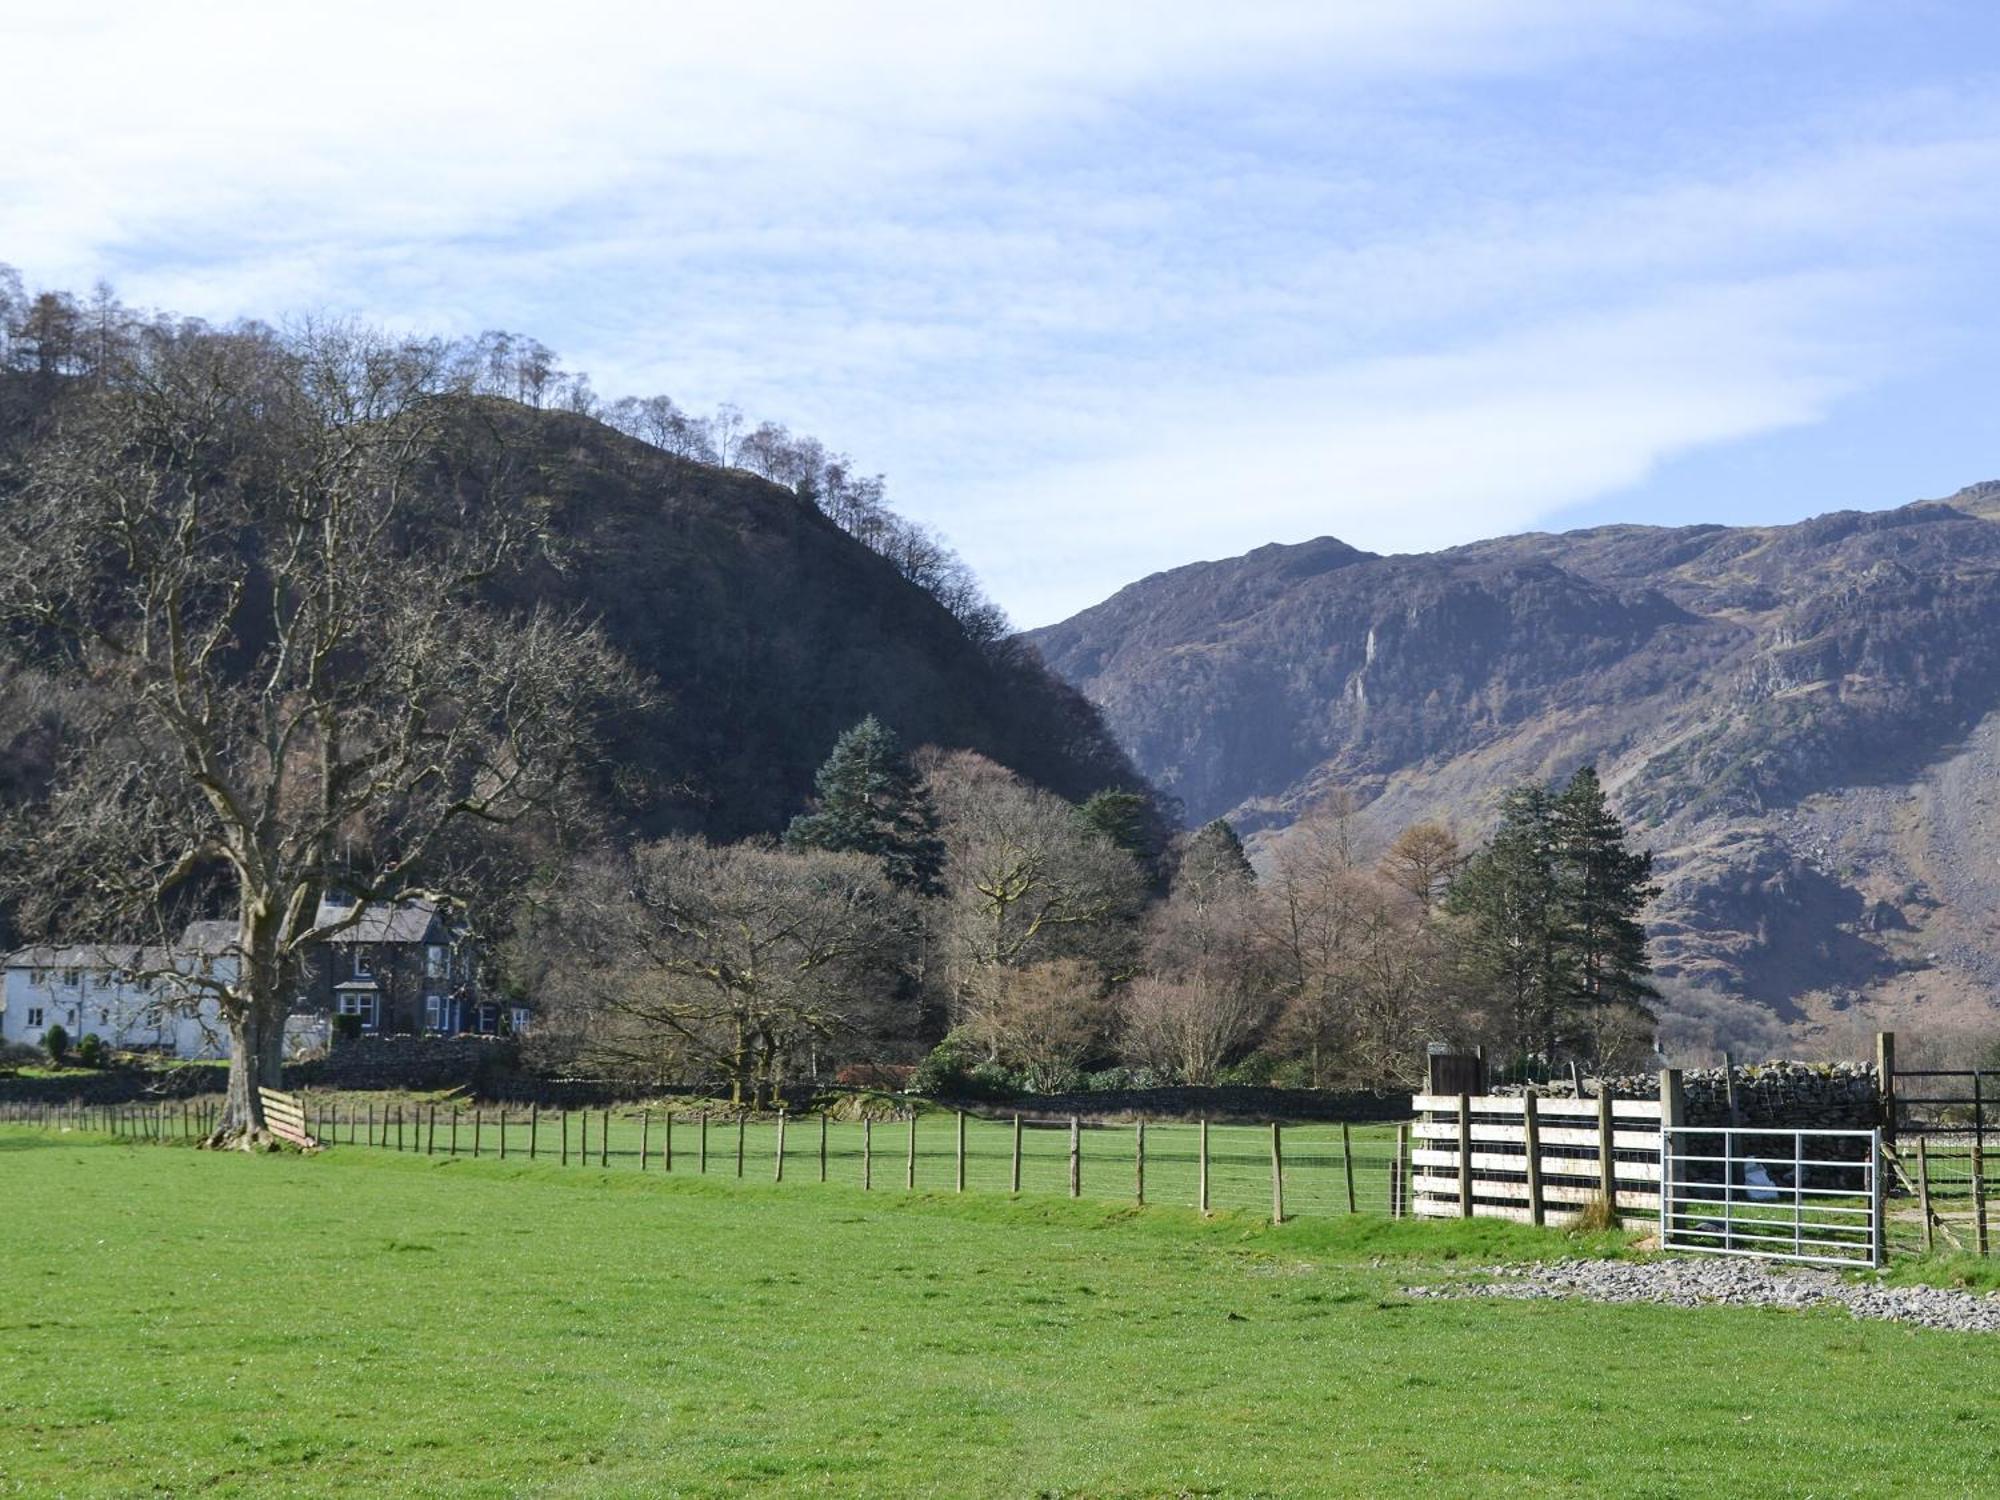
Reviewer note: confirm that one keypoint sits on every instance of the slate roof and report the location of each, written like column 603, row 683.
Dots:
column 383, row 922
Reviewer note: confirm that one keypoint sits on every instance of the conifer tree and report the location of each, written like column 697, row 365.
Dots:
column 1213, row 856
column 1607, row 885
column 871, row 801
column 1513, row 925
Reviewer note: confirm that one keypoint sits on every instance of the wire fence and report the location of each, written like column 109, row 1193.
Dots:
column 1288, row 1170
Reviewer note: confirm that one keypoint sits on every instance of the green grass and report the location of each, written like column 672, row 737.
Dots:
column 364, row 1323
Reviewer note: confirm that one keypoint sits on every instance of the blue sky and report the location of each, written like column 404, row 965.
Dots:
column 1107, row 288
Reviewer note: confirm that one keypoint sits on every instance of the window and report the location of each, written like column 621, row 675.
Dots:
column 364, row 967
column 71, row 978
column 520, row 1019
column 362, row 1005
column 433, row 1021
column 437, row 961
column 34, row 1015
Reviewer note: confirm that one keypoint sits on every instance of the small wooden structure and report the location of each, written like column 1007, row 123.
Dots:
column 285, row 1117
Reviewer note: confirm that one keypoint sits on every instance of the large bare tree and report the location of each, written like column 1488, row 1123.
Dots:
column 722, row 961
column 268, row 556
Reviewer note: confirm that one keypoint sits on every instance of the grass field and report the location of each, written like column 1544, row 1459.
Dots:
column 365, row 1323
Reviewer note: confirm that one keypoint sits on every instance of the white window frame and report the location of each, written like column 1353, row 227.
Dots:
column 35, row 1013
column 364, row 967
column 363, row 1003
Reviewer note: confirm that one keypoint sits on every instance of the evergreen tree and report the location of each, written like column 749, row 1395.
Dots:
column 1213, row 856
column 1513, row 922
column 1125, row 819
column 871, row 801
column 1607, row 885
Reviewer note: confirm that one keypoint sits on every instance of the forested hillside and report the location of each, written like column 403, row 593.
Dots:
column 1800, row 718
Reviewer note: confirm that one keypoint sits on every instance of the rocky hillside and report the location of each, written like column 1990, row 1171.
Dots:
column 1802, row 719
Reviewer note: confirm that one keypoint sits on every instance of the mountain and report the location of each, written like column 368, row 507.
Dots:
column 1804, row 722
column 765, row 629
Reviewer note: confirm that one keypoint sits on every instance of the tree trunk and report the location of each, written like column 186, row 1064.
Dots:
column 242, row 1121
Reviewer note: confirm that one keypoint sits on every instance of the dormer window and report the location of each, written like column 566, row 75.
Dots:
column 364, row 967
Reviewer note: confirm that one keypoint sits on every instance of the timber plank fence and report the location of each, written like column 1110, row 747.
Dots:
column 1526, row 1159
column 1283, row 1170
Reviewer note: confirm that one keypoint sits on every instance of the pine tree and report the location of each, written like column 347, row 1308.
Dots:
column 1512, row 920
column 871, row 801
column 1127, row 820
column 1213, row 856
column 1607, row 885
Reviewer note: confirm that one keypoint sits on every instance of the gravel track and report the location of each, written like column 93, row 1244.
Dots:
column 1716, row 1281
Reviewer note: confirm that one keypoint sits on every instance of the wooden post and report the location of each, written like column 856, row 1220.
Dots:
column 667, row 1143
column 503, row 1134
column 701, row 1161
column 371, row 1124
column 645, row 1138
column 1531, row 1122
column 1980, row 1241
column 1201, row 1178
column 1139, row 1161
column 1885, row 1083
column 565, row 1138
column 1607, row 1163
column 822, row 1146
column 604, row 1141
column 1075, row 1157
column 1729, row 1089
column 1673, row 1117
column 1924, row 1191
column 1347, row 1162
column 534, row 1128
column 778, row 1170
column 478, row 1126
column 867, row 1153
column 454, row 1132
column 1277, row 1177
column 1399, row 1180
column 583, row 1138
column 1015, row 1179
column 961, row 1151
column 1465, row 1156
column 910, row 1159
column 742, row 1124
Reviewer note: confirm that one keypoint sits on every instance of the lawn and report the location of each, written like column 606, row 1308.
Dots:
column 367, row 1323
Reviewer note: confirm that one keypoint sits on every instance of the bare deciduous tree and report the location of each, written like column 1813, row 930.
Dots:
column 266, row 555
column 1043, row 1020
column 724, row 960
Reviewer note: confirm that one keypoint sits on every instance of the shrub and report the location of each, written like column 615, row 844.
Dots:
column 57, row 1041
column 957, row 1068
column 90, row 1051
column 891, row 1076
column 17, row 1055
column 347, row 1028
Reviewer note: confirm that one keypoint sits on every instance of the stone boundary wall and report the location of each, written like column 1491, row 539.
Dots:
column 410, row 1062
column 1802, row 1096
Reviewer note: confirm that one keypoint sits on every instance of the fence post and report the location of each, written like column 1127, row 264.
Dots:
column 1465, row 1156
column 1015, row 1179
column 1924, row 1191
column 778, row 1171
column 1885, row 1083
column 867, row 1153
column 1347, row 1162
column 742, row 1124
column 534, row 1128
column 961, row 1151
column 667, row 1143
column 1878, row 1203
column 604, row 1140
column 454, row 1132
column 503, row 1135
column 1531, row 1140
column 910, row 1157
column 1978, row 1196
column 565, row 1139
column 1673, row 1117
column 822, row 1145
column 1277, row 1177
column 1399, row 1177
column 645, row 1139
column 1139, row 1161
column 478, row 1127
column 371, row 1124
column 1201, row 1181
column 1607, row 1164
column 583, row 1138
column 701, row 1161
column 1075, row 1157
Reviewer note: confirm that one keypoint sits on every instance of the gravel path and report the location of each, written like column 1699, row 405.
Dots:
column 1701, row 1280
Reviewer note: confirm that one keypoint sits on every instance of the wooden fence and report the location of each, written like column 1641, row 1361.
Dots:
column 1486, row 1156
column 285, row 1117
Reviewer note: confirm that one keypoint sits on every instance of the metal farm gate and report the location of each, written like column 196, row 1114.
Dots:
column 1814, row 1196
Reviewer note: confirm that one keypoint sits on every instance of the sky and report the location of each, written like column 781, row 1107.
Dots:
column 1104, row 288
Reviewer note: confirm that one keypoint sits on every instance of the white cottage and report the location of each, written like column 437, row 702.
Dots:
column 127, row 996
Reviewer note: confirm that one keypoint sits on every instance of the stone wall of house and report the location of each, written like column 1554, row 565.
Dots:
column 1802, row 1096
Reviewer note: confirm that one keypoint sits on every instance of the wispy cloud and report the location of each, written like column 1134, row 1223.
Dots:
column 1102, row 286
